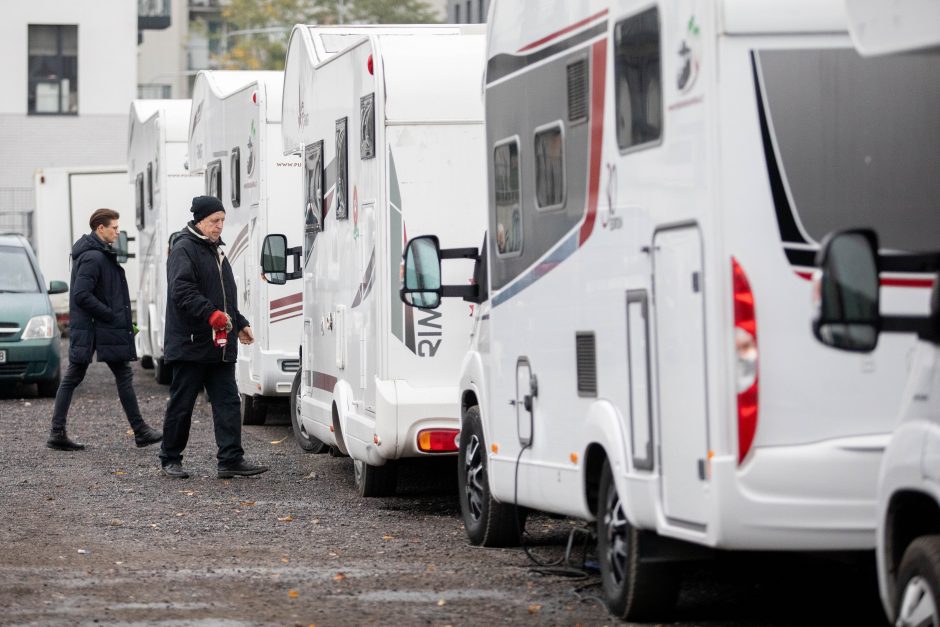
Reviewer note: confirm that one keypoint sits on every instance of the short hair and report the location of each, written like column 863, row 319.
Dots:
column 102, row 217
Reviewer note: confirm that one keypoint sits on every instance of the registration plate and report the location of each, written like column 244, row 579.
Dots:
column 3, row 357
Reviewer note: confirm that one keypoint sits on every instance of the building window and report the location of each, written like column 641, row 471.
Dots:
column 53, row 69
column 154, row 91
column 457, row 13
column 549, row 167
column 469, row 11
column 481, row 10
column 506, row 187
column 638, row 88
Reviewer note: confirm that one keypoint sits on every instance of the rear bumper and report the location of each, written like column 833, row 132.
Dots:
column 273, row 373
column 29, row 361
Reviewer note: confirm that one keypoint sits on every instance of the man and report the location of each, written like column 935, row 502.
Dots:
column 99, row 322
column 202, row 322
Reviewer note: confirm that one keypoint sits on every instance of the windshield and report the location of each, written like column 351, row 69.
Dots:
column 17, row 274
column 858, row 141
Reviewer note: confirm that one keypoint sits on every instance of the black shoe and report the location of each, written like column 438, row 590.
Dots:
column 175, row 470
column 241, row 468
column 147, row 435
column 59, row 441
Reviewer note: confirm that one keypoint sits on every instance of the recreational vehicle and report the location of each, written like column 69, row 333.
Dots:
column 234, row 141
column 65, row 199
column 163, row 192
column 660, row 174
column 390, row 131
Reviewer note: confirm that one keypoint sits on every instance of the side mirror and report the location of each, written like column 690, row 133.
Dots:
column 274, row 259
column 846, row 291
column 121, row 247
column 421, row 283
column 58, row 287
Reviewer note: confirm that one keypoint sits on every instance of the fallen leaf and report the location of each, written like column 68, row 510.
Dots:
column 129, row 432
column 118, row 563
column 287, row 518
column 154, row 525
column 339, row 577
column 534, row 608
column 332, row 554
column 247, row 503
column 116, row 522
column 180, row 513
column 293, row 594
column 118, row 472
column 83, row 552
column 279, row 441
column 441, row 603
column 316, row 521
column 285, row 560
column 387, row 537
column 27, row 404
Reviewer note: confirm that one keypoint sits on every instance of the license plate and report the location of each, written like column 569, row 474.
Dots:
column 3, row 357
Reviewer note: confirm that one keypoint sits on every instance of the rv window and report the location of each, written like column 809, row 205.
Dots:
column 367, row 126
column 214, row 179
column 139, row 199
column 313, row 195
column 858, row 141
column 236, row 176
column 638, row 84
column 549, row 167
column 149, row 186
column 506, row 186
column 342, row 169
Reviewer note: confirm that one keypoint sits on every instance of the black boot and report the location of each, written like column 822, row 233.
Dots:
column 241, row 468
column 59, row 441
column 146, row 435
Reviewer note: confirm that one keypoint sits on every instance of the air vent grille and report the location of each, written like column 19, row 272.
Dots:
column 577, row 91
column 586, row 355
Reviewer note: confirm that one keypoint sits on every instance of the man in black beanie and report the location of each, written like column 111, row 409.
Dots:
column 202, row 324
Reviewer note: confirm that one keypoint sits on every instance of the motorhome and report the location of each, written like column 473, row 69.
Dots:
column 857, row 272
column 157, row 141
column 65, row 199
column 660, row 174
column 234, row 142
column 390, row 132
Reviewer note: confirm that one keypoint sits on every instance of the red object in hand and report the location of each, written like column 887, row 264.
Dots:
column 218, row 320
column 220, row 337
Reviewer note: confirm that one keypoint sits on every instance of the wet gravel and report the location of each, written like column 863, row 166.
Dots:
column 100, row 536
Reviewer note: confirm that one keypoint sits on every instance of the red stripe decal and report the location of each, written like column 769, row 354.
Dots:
column 287, row 300
column 323, row 381
column 887, row 282
column 284, row 312
column 567, row 29
column 598, row 78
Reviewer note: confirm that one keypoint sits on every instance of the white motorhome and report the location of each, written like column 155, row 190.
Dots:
column 852, row 280
column 163, row 192
column 391, row 132
column 65, row 199
column 660, row 174
column 234, row 141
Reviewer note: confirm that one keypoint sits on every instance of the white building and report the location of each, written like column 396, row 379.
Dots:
column 467, row 11
column 70, row 73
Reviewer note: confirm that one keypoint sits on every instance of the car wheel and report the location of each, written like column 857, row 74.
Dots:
column 919, row 584
column 374, row 481
column 633, row 589
column 49, row 388
column 306, row 441
column 162, row 372
column 146, row 362
column 487, row 521
column 253, row 411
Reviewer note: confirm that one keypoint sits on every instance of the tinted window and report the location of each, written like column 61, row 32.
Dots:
column 214, row 179
column 367, row 126
column 18, row 274
column 549, row 168
column 313, row 195
column 506, row 186
column 236, row 175
column 139, row 199
column 342, row 177
column 858, row 141
column 638, row 86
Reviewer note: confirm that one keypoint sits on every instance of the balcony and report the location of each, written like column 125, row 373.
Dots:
column 153, row 14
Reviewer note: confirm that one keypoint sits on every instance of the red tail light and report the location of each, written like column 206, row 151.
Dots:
column 745, row 342
column 438, row 440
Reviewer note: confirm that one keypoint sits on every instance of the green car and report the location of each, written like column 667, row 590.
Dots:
column 29, row 336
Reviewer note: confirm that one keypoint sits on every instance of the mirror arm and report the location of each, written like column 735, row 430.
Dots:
column 298, row 272
column 923, row 326
column 460, row 253
column 467, row 292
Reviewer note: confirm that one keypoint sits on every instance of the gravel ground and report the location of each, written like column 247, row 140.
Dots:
column 100, row 536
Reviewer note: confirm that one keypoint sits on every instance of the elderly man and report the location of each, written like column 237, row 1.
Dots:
column 202, row 323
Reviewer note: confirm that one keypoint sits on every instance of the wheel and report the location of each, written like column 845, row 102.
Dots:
column 162, row 372
column 375, row 480
column 633, row 589
column 146, row 362
column 253, row 412
column 49, row 388
column 306, row 441
column 919, row 584
column 487, row 521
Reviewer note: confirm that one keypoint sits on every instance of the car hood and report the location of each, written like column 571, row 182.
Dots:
column 19, row 308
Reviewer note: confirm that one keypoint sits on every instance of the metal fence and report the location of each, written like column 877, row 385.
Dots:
column 16, row 211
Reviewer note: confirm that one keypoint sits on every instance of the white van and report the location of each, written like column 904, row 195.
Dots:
column 163, row 192
column 234, row 140
column 390, row 130
column 660, row 174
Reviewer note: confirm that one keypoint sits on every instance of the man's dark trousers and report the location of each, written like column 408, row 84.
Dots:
column 189, row 378
column 75, row 373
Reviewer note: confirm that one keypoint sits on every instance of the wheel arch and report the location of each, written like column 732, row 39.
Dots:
column 910, row 514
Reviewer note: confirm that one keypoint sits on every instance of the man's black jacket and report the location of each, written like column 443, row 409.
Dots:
column 199, row 282
column 99, row 305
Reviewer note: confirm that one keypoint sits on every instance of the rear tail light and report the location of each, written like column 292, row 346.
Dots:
column 438, row 440
column 745, row 343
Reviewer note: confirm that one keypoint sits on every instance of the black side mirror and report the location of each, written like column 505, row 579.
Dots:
column 274, row 259
column 58, row 287
column 421, row 283
column 121, row 247
column 846, row 291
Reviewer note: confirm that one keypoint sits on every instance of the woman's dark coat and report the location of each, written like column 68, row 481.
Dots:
column 199, row 282
column 99, row 305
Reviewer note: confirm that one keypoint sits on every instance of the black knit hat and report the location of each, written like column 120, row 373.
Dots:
column 205, row 206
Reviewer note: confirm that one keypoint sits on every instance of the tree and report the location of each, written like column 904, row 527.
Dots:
column 257, row 31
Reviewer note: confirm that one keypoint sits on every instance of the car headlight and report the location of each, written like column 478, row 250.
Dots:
column 40, row 328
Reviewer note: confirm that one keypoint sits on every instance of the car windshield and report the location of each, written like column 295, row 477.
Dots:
column 17, row 274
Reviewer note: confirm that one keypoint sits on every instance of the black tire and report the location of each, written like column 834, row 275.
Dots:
column 632, row 589
column 49, row 388
column 253, row 411
column 306, row 441
column 487, row 521
column 146, row 362
column 372, row 481
column 918, row 589
column 162, row 372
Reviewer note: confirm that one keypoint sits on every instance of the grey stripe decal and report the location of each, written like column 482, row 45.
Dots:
column 503, row 65
column 394, row 247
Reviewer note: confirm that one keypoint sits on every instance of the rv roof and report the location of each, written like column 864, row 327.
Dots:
column 175, row 114
column 222, row 84
column 337, row 38
column 747, row 17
